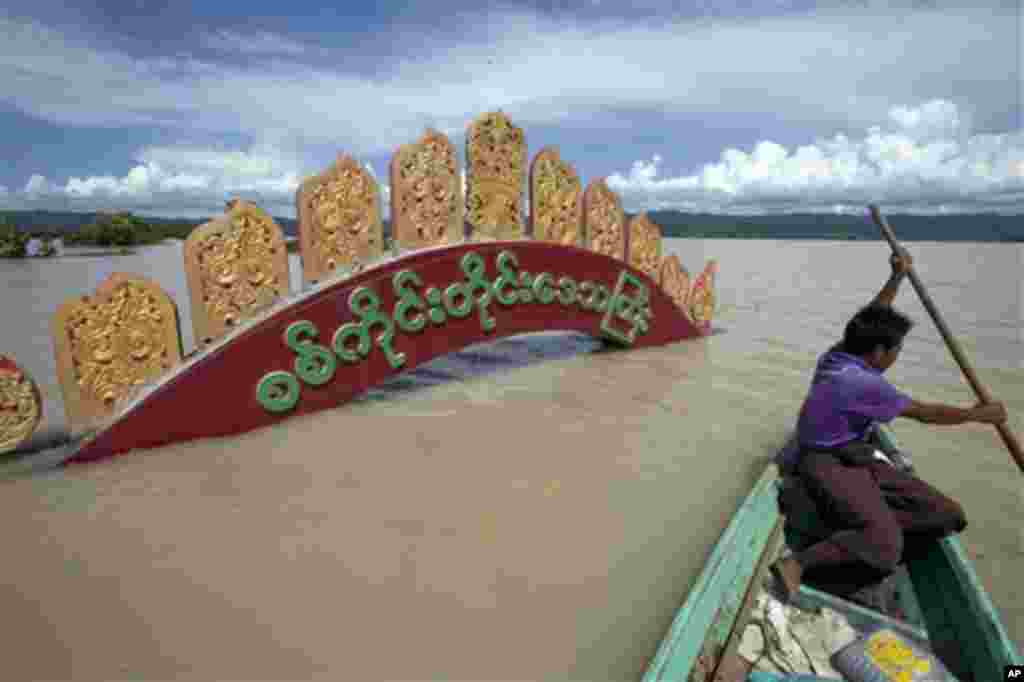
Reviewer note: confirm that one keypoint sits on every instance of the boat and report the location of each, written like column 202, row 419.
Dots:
column 942, row 602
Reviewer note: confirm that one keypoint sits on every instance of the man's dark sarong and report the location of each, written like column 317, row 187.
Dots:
column 878, row 516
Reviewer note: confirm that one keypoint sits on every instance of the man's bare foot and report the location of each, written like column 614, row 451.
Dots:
column 788, row 573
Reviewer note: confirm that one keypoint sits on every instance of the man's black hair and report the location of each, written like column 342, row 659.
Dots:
column 873, row 326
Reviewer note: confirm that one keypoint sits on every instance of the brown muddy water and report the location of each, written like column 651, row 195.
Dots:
column 530, row 509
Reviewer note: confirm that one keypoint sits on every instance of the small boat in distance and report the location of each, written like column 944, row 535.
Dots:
column 941, row 599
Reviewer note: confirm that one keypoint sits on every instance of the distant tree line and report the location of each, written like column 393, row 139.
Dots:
column 125, row 230
column 120, row 230
column 974, row 227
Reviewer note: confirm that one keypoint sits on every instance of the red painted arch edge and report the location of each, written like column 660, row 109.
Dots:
column 217, row 396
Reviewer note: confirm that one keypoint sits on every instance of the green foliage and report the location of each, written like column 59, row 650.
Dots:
column 12, row 242
column 174, row 230
column 125, row 230
column 113, row 230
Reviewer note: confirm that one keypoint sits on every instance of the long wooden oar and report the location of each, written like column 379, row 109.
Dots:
column 1011, row 441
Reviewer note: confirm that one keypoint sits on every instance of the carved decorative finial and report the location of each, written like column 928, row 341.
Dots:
column 556, row 200
column 675, row 281
column 21, row 406
column 645, row 245
column 495, row 170
column 122, row 336
column 235, row 265
column 605, row 221
column 426, row 193
column 339, row 219
column 702, row 295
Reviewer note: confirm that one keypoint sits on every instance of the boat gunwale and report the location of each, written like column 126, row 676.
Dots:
column 706, row 606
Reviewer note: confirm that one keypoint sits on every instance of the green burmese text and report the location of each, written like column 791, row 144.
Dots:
column 352, row 342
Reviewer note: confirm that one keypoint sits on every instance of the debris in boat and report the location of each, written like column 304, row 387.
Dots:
column 793, row 639
column 784, row 639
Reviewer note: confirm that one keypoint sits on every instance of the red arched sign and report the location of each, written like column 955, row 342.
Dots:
column 331, row 345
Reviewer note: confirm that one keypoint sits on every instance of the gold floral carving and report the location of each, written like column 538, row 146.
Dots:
column 495, row 167
column 125, row 335
column 675, row 281
column 339, row 219
column 426, row 193
column 645, row 245
column 556, row 200
column 605, row 221
column 702, row 295
column 21, row 407
column 235, row 266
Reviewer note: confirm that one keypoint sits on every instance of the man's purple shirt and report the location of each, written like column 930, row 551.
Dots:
column 847, row 396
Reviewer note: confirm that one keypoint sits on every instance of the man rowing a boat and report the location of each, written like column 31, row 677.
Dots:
column 878, row 512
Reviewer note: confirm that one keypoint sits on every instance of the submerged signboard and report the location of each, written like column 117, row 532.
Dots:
column 326, row 347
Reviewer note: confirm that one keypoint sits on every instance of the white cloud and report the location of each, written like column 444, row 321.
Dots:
column 801, row 68
column 37, row 185
column 181, row 182
column 924, row 158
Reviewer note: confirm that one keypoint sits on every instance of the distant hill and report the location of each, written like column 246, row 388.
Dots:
column 982, row 227
column 979, row 227
column 66, row 221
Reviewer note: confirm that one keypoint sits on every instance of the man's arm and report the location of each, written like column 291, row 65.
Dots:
column 900, row 263
column 936, row 413
column 889, row 291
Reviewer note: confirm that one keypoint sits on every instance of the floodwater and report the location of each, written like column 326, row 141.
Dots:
column 789, row 296
column 547, row 518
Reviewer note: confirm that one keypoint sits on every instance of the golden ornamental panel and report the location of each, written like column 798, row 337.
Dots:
column 675, row 281
column 495, row 174
column 702, row 295
column 235, row 265
column 340, row 220
column 645, row 245
column 604, row 220
column 123, row 336
column 21, row 406
column 426, row 194
column 556, row 200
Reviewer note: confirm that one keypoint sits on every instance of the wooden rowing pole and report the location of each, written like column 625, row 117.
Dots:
column 1012, row 444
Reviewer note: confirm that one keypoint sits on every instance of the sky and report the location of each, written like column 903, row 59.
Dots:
column 170, row 108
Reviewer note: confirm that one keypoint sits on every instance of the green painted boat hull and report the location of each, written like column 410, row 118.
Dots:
column 942, row 597
column 963, row 625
